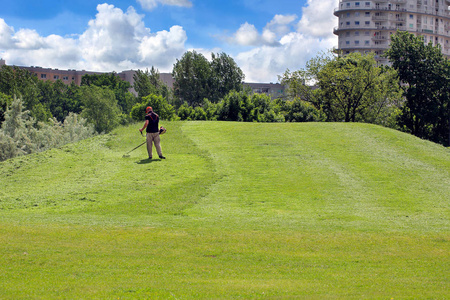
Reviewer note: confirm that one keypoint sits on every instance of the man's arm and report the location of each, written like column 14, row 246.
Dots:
column 145, row 126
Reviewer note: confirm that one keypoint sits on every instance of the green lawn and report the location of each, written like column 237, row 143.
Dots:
column 237, row 210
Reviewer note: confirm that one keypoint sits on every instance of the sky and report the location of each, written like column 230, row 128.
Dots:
column 264, row 37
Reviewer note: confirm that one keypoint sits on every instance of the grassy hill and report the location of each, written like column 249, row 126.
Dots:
column 237, row 210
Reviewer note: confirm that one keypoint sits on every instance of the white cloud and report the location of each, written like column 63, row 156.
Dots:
column 112, row 37
column 114, row 41
column 248, row 35
column 29, row 39
column 6, row 33
column 163, row 48
column 280, row 24
column 52, row 51
column 318, row 19
column 286, row 46
column 263, row 64
column 151, row 4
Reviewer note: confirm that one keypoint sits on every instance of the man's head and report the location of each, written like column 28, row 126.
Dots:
column 149, row 109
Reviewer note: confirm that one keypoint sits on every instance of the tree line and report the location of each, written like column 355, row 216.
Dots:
column 411, row 95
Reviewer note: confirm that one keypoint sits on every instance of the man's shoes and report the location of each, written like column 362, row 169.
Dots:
column 149, row 157
column 162, row 157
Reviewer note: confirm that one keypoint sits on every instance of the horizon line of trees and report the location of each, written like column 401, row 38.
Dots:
column 412, row 95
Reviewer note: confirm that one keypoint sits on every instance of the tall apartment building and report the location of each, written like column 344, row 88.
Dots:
column 366, row 26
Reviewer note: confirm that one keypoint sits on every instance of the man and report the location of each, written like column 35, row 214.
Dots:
column 151, row 123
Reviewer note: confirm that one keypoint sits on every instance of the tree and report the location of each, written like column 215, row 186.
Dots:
column 100, row 108
column 113, row 82
column 196, row 78
column 59, row 98
column 193, row 78
column 5, row 101
column 227, row 75
column 351, row 86
column 424, row 72
column 296, row 85
column 146, row 83
column 17, row 82
column 17, row 131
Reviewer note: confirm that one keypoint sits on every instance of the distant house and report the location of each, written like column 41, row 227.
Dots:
column 274, row 90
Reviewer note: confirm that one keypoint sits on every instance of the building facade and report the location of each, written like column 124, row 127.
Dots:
column 274, row 90
column 366, row 26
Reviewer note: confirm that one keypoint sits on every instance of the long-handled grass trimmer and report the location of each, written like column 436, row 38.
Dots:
column 128, row 153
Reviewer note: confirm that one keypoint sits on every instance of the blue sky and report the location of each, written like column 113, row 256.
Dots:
column 265, row 37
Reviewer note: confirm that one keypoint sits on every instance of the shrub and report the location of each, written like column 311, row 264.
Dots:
column 20, row 134
column 298, row 110
column 100, row 108
column 159, row 105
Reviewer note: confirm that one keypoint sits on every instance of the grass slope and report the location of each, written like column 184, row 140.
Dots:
column 238, row 210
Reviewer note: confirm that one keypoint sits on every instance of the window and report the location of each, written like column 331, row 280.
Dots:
column 366, row 33
column 357, row 4
column 356, row 33
column 347, row 15
column 55, row 77
column 347, row 33
column 367, row 4
column 356, row 42
column 367, row 23
column 367, row 14
column 356, row 14
column 43, row 76
column 410, row 25
column 347, row 42
column 347, row 23
column 65, row 77
column 357, row 23
column 367, row 43
column 411, row 17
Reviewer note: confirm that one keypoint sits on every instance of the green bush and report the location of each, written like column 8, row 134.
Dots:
column 298, row 110
column 159, row 105
column 185, row 111
column 100, row 108
column 20, row 134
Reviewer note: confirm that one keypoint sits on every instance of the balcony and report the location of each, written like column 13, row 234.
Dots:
column 364, row 47
column 380, row 18
column 380, row 38
column 394, row 28
column 384, row 8
column 399, row 20
column 352, row 6
column 337, row 29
